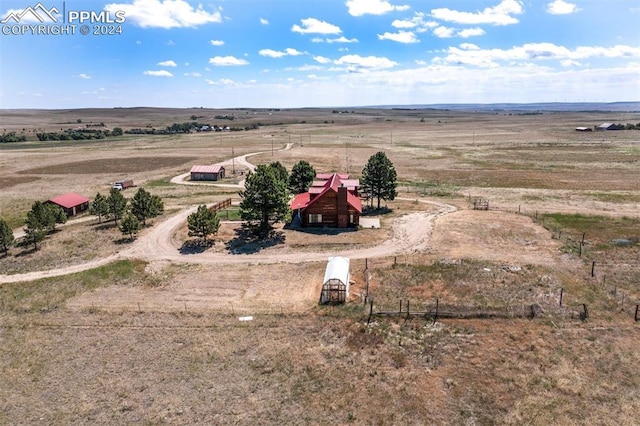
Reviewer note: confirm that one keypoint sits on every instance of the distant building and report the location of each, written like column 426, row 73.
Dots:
column 607, row 126
column 332, row 200
column 214, row 172
column 72, row 203
column 583, row 129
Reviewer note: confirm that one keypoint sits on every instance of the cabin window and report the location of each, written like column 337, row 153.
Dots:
column 315, row 218
column 351, row 219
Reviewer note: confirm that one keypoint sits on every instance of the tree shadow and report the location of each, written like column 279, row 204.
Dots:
column 195, row 246
column 372, row 211
column 320, row 230
column 124, row 240
column 26, row 250
column 104, row 225
column 250, row 240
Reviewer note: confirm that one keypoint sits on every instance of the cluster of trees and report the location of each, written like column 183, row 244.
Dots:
column 42, row 220
column 43, row 217
column 265, row 199
column 79, row 134
column 8, row 137
column 202, row 223
column 133, row 216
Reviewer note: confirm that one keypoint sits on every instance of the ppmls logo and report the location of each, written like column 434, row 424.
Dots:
column 40, row 20
column 39, row 12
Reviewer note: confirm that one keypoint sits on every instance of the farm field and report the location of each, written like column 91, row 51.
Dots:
column 148, row 332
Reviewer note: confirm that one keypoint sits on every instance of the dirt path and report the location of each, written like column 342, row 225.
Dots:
column 411, row 233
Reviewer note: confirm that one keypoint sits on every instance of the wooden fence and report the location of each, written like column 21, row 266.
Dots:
column 221, row 205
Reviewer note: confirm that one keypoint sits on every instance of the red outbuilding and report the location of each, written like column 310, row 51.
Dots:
column 72, row 203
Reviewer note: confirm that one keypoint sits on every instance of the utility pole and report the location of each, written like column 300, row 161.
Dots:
column 233, row 161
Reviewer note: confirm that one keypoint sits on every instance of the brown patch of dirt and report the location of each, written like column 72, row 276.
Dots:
column 9, row 181
column 496, row 237
column 111, row 165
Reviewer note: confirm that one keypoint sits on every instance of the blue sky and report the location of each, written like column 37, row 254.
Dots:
column 305, row 53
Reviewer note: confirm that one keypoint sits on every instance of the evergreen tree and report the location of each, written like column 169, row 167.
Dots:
column 6, row 236
column 280, row 171
column 48, row 215
column 145, row 206
column 202, row 223
column 99, row 207
column 117, row 204
column 265, row 198
column 130, row 225
column 34, row 231
column 301, row 177
column 379, row 178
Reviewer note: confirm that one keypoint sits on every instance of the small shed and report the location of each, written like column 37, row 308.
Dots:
column 72, row 203
column 213, row 172
column 335, row 286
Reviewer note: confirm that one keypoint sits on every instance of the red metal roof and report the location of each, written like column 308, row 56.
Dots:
column 69, row 200
column 333, row 183
column 215, row 168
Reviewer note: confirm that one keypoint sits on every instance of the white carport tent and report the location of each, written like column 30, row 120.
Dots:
column 335, row 286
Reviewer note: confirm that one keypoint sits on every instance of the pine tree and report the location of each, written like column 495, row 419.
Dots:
column 301, row 177
column 145, row 206
column 379, row 178
column 34, row 231
column 117, row 204
column 265, row 198
column 99, row 207
column 130, row 225
column 6, row 236
column 202, row 223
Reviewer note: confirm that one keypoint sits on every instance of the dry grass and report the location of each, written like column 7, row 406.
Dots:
column 161, row 342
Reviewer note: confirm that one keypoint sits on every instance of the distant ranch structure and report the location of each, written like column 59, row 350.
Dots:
column 72, row 203
column 214, row 172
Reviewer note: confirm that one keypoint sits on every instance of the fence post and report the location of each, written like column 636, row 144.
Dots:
column 635, row 318
column 435, row 317
column 370, row 311
column 585, row 314
column 400, row 311
column 583, row 235
column 593, row 268
column 561, row 295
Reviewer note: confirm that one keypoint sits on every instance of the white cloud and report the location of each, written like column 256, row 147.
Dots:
column 400, row 37
column 264, row 21
column 216, row 42
column 471, row 32
column 279, row 54
column 192, row 74
column 322, row 59
column 444, row 32
column 469, row 54
column 84, row 76
column 171, row 43
column 226, row 61
column 561, row 7
column 164, row 13
column 570, row 63
column 315, row 26
column 221, row 82
column 167, row 64
column 497, row 15
column 418, row 22
column 372, row 7
column 341, row 40
column 354, row 62
column 159, row 73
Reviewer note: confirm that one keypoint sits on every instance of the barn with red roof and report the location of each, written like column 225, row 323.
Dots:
column 332, row 200
column 72, row 203
column 212, row 172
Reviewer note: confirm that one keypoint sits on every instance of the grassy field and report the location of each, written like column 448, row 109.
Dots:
column 160, row 342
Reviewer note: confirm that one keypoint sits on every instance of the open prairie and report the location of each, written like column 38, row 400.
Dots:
column 148, row 331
